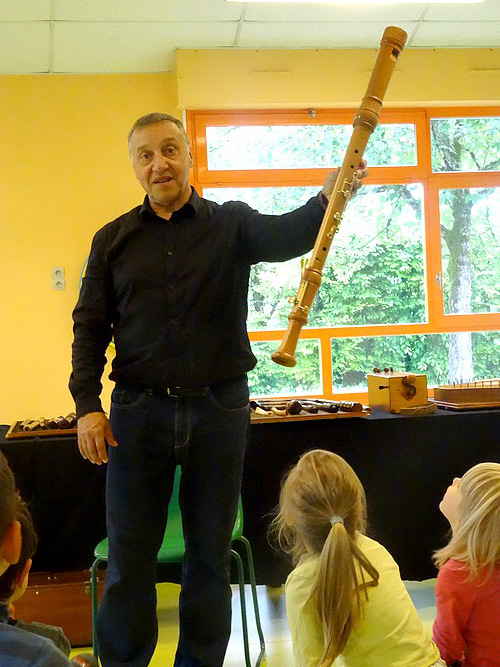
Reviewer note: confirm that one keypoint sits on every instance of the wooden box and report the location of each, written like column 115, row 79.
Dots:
column 394, row 391
column 62, row 599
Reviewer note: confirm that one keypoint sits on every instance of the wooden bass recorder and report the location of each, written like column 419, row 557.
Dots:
column 365, row 122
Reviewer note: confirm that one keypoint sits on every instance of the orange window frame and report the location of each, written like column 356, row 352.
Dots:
column 432, row 183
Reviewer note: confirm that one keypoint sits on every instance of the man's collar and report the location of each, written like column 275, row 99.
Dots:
column 194, row 202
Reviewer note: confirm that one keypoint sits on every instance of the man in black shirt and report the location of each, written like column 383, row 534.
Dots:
column 168, row 281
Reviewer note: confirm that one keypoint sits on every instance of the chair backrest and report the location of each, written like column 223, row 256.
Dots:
column 174, row 510
column 172, row 548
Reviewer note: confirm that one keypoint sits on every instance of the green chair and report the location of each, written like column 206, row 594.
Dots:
column 172, row 551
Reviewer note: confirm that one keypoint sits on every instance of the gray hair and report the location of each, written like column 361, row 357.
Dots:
column 153, row 119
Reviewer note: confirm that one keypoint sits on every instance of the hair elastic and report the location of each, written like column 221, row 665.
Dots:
column 336, row 519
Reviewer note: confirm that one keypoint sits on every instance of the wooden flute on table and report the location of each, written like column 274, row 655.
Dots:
column 365, row 122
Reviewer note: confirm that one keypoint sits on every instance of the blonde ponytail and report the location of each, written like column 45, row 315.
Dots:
column 322, row 508
column 337, row 593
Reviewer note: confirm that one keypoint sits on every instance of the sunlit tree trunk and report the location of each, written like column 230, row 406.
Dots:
column 460, row 275
column 460, row 359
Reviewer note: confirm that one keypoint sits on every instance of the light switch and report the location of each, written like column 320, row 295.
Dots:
column 58, row 279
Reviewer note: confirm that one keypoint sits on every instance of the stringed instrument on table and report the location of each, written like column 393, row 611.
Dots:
column 477, row 394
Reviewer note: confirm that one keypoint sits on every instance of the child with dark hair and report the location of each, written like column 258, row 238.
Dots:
column 14, row 581
column 11, row 576
column 19, row 647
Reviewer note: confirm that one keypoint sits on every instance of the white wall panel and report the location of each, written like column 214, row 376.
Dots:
column 314, row 35
column 390, row 14
column 489, row 10
column 131, row 47
column 25, row 47
column 458, row 34
column 24, row 10
column 147, row 10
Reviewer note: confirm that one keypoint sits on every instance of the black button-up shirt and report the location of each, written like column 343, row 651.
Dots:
column 173, row 293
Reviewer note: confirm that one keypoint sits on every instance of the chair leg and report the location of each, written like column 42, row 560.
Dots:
column 261, row 660
column 244, row 623
column 94, row 569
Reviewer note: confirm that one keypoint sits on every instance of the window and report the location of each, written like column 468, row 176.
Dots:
column 412, row 279
column 301, row 146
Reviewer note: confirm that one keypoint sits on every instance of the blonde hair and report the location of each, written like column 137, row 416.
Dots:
column 476, row 539
column 319, row 487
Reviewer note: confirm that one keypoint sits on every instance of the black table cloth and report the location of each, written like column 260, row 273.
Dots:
column 404, row 463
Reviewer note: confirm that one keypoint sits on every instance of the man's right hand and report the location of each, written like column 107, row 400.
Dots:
column 94, row 431
column 331, row 179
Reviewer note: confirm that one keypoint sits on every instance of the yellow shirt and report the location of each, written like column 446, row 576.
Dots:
column 389, row 634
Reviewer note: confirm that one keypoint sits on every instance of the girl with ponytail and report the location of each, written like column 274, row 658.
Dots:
column 345, row 596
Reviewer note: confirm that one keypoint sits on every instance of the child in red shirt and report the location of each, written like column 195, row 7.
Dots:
column 467, row 629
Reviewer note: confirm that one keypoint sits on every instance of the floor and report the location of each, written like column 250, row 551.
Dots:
column 274, row 625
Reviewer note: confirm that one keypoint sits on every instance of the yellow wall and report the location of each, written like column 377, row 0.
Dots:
column 64, row 172
column 214, row 79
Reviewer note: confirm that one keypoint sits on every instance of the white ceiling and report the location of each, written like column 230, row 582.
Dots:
column 110, row 36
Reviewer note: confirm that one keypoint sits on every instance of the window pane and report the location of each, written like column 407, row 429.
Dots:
column 270, row 379
column 444, row 358
column 374, row 273
column 465, row 144
column 270, row 284
column 304, row 146
column 392, row 145
column 273, row 201
column 470, row 240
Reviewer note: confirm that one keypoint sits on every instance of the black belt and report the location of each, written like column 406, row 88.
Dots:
column 179, row 392
column 182, row 392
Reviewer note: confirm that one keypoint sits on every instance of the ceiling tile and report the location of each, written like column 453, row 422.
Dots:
column 489, row 10
column 131, row 47
column 457, row 34
column 25, row 47
column 313, row 35
column 304, row 13
column 24, row 10
column 147, row 10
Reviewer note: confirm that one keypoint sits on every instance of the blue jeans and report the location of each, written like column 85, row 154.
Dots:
column 207, row 436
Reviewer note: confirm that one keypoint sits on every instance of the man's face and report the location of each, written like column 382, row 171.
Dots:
column 161, row 159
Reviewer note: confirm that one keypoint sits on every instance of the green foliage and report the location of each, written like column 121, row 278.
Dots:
column 481, row 245
column 353, row 358
column 375, row 271
column 392, row 144
column 276, row 146
column 465, row 144
column 304, row 146
column 269, row 378
column 486, row 354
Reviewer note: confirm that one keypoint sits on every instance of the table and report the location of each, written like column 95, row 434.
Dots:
column 404, row 463
column 65, row 495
